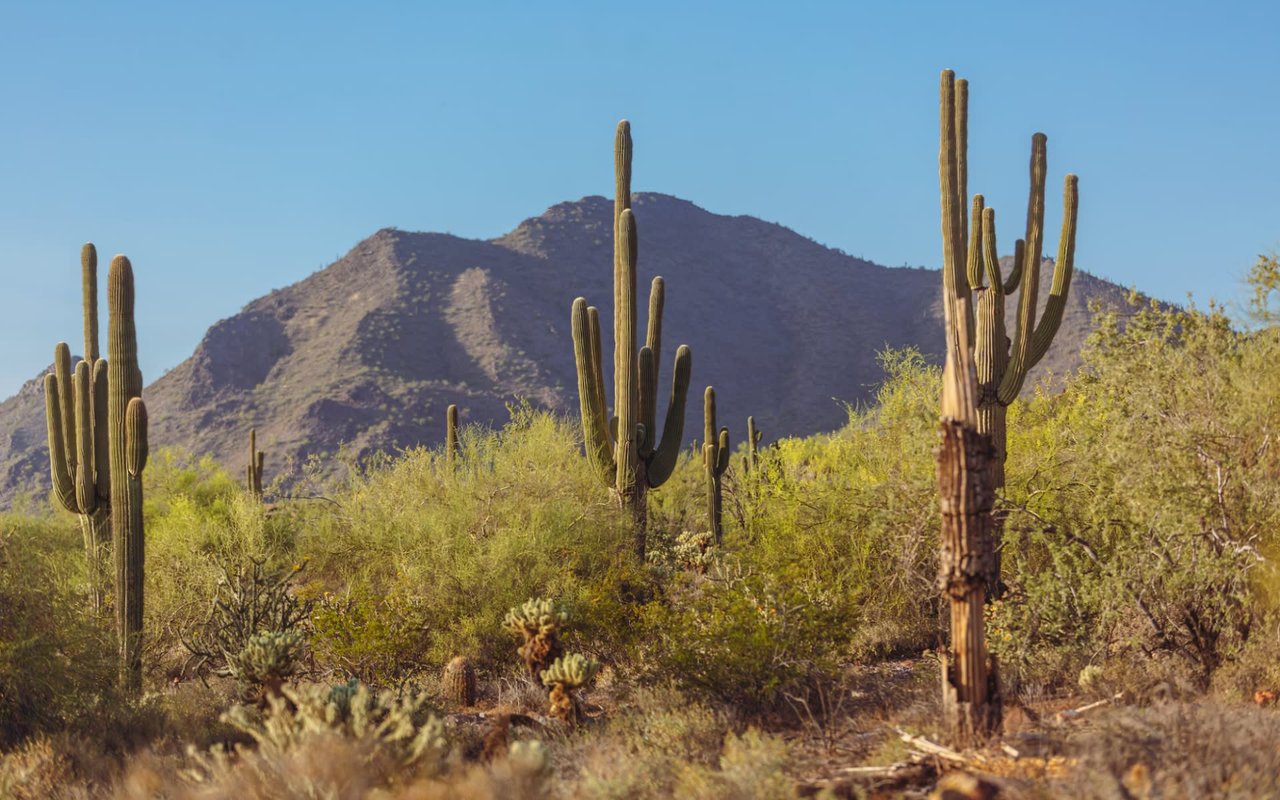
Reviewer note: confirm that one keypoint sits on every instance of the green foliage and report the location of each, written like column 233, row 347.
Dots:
column 54, row 658
column 518, row 516
column 380, row 639
column 1143, row 498
column 742, row 637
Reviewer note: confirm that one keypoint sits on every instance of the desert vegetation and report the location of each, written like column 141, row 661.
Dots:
column 581, row 607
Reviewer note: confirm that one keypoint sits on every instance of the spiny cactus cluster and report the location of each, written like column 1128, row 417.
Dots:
column 567, row 673
column 715, row 461
column 625, row 448
column 257, row 459
column 400, row 729
column 538, row 623
column 263, row 665
column 458, row 683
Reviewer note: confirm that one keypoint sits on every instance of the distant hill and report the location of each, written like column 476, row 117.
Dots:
column 370, row 351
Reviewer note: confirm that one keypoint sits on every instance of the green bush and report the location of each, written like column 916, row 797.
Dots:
column 55, row 657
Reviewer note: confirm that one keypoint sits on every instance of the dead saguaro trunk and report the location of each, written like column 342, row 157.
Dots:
column 970, row 683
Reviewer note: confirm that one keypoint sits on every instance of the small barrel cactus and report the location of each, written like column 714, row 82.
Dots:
column 538, row 622
column 568, row 673
column 458, row 684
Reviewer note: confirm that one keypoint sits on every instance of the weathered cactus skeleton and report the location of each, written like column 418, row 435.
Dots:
column 626, row 449
column 98, row 448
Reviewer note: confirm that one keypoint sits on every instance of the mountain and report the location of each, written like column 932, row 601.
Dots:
column 370, row 351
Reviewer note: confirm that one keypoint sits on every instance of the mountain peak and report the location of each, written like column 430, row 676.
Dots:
column 370, row 351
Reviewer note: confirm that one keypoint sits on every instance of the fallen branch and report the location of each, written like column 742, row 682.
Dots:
column 1076, row 713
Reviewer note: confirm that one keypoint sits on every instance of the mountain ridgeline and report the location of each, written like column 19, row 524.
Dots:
column 370, row 351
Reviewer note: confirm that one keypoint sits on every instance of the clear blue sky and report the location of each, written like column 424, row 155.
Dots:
column 231, row 148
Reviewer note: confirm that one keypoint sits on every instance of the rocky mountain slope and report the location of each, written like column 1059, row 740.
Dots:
column 370, row 351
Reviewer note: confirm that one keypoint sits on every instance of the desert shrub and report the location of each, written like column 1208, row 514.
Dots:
column 665, row 744
column 249, row 601
column 521, row 516
column 380, row 639
column 1177, row 750
column 854, row 512
column 1142, row 498
column 742, row 637
column 55, row 657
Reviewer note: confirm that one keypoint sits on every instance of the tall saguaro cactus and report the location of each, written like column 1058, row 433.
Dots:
column 257, row 462
column 970, row 681
column 127, row 425
column 76, row 412
column 1002, row 364
column 626, row 449
column 715, row 460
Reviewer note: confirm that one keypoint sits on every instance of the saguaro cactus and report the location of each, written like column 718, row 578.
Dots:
column 1001, row 364
column 76, row 412
column 127, row 425
column 715, row 460
column 625, row 449
column 752, row 459
column 257, row 460
column 970, row 684
column 451, row 435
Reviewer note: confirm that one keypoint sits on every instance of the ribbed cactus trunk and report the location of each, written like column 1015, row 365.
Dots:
column 970, row 682
column 451, row 435
column 625, row 449
column 257, row 462
column 127, row 426
column 715, row 460
column 752, row 460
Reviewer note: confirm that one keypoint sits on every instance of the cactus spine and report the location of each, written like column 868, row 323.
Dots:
column 451, row 435
column 626, row 449
column 715, row 460
column 76, row 412
column 257, row 460
column 127, row 425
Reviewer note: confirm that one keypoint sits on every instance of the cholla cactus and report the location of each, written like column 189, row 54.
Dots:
column 264, row 664
column 569, row 672
column 538, row 622
column 400, row 729
column 530, row 755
